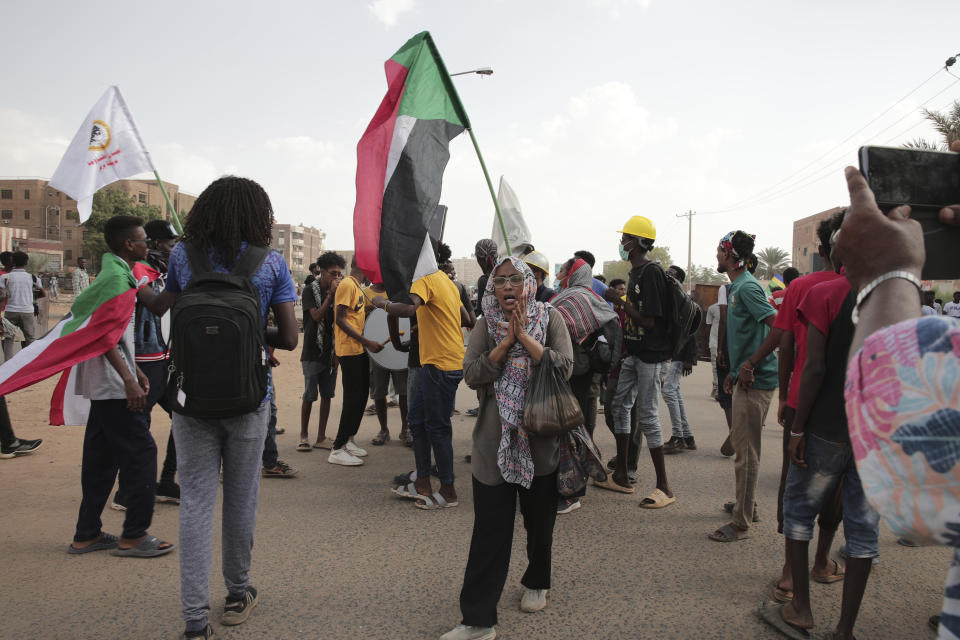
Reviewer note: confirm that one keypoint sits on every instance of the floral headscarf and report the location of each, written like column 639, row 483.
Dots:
column 726, row 243
column 514, row 457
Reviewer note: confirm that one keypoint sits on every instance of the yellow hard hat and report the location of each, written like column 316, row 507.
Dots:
column 538, row 260
column 641, row 227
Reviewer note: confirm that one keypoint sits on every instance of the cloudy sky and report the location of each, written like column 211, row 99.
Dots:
column 744, row 112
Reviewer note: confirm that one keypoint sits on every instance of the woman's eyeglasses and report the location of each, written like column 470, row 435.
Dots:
column 499, row 282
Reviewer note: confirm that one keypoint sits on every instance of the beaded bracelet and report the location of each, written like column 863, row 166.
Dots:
column 876, row 282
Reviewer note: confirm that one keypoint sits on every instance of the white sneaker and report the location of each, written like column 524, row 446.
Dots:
column 463, row 632
column 343, row 457
column 533, row 600
column 354, row 450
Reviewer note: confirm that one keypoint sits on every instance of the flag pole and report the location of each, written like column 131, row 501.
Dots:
column 496, row 205
column 174, row 217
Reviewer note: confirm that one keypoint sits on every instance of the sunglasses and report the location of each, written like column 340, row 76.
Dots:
column 499, row 282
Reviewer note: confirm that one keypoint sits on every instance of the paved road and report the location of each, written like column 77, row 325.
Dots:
column 337, row 556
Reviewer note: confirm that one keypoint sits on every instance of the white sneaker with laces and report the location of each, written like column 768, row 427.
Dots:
column 533, row 600
column 463, row 632
column 354, row 450
column 343, row 457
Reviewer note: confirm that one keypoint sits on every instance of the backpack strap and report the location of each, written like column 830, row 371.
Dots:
column 199, row 260
column 250, row 261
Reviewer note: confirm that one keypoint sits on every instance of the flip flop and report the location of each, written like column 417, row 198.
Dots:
column 304, row 446
column 406, row 438
column 149, row 548
column 728, row 533
column 835, row 576
column 106, row 541
column 780, row 594
column 326, row 443
column 379, row 439
column 658, row 500
column 436, row 501
column 610, row 485
column 408, row 491
column 770, row 613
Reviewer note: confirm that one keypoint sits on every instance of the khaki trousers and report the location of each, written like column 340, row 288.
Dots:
column 749, row 407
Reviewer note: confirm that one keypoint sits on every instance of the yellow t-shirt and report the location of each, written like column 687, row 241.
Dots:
column 438, row 322
column 349, row 295
column 372, row 295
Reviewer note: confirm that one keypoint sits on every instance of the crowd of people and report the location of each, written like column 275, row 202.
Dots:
column 618, row 346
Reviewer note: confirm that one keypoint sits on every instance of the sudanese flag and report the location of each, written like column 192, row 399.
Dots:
column 400, row 163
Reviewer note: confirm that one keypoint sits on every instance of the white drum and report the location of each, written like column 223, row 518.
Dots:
column 376, row 329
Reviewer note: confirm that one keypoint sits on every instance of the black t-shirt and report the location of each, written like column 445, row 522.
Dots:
column 544, row 293
column 647, row 293
column 311, row 350
column 310, row 278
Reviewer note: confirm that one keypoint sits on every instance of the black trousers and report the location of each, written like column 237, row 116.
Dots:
column 581, row 388
column 156, row 372
column 355, row 373
column 494, row 511
column 7, row 437
column 117, row 439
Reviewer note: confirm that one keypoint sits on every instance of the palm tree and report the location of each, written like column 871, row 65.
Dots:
column 947, row 125
column 772, row 260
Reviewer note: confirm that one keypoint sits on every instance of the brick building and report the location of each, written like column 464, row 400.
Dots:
column 298, row 244
column 49, row 215
column 806, row 256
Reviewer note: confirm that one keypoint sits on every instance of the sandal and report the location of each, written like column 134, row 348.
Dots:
column 780, row 594
column 325, row 443
column 406, row 438
column 657, row 500
column 728, row 533
column 106, row 541
column 149, row 548
column 381, row 438
column 771, row 614
column 304, row 446
column 408, row 491
column 835, row 576
column 610, row 485
column 436, row 501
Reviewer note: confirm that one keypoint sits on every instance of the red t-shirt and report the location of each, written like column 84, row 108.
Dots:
column 821, row 305
column 787, row 320
column 776, row 298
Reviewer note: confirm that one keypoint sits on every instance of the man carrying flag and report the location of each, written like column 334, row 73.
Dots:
column 118, row 437
column 106, row 148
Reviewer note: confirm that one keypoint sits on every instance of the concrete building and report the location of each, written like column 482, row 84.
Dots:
column 47, row 214
column 298, row 244
column 468, row 271
column 806, row 256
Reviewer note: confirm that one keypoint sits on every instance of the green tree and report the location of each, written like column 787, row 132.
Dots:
column 661, row 255
column 772, row 260
column 705, row 275
column 619, row 269
column 947, row 125
column 106, row 204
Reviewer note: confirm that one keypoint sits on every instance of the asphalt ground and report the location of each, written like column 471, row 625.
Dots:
column 338, row 556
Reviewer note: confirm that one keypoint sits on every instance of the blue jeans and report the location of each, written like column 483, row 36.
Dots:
column 430, row 409
column 829, row 463
column 670, row 374
column 639, row 384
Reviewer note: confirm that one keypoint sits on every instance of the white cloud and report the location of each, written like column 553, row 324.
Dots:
column 615, row 8
column 388, row 11
column 32, row 145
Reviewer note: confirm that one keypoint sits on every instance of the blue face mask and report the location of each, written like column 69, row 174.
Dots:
column 624, row 254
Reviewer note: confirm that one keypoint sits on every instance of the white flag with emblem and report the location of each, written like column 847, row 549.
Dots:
column 107, row 148
column 517, row 232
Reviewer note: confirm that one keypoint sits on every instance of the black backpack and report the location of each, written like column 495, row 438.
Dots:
column 683, row 316
column 218, row 355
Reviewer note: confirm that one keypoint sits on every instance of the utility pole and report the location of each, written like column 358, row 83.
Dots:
column 689, row 216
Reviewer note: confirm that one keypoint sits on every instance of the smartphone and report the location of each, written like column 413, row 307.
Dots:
column 927, row 181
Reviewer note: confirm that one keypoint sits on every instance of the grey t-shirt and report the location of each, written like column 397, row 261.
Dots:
column 97, row 380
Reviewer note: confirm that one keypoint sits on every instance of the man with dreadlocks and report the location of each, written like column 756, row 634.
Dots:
column 749, row 318
column 230, row 215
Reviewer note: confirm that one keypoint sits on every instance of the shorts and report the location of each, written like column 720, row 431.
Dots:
column 318, row 380
column 829, row 463
column 380, row 381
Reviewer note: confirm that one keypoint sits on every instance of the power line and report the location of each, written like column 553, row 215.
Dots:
column 771, row 193
column 764, row 192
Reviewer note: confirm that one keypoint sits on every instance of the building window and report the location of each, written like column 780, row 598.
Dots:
column 6, row 214
column 68, row 233
column 280, row 241
column 72, row 215
column 142, row 197
column 26, row 214
column 26, row 194
column 6, row 194
column 68, row 255
column 805, row 251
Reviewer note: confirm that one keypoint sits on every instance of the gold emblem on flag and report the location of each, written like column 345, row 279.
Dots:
column 99, row 136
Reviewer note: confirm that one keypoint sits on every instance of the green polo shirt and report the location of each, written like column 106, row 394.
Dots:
column 747, row 308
